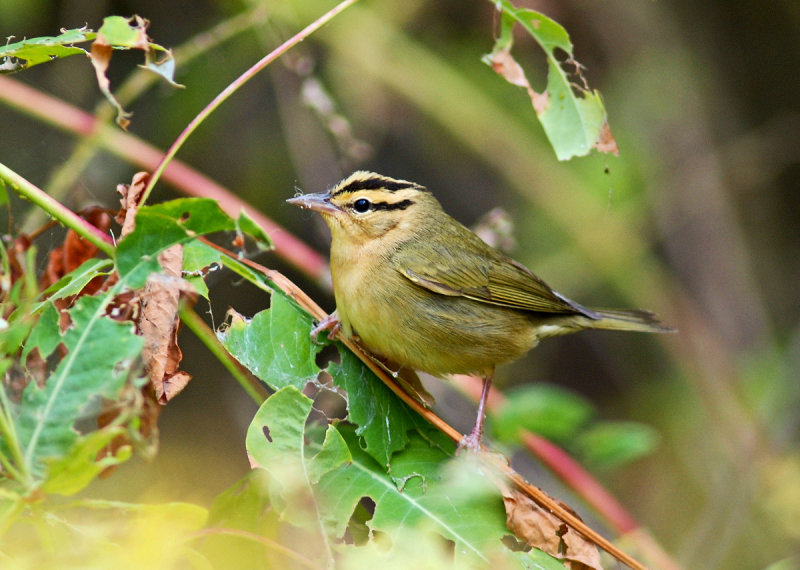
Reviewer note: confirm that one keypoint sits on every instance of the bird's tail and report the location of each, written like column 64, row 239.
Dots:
column 628, row 320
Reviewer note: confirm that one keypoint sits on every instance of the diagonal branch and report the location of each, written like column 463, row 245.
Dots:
column 56, row 210
column 495, row 461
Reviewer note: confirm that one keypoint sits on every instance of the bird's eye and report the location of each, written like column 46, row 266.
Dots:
column 361, row 205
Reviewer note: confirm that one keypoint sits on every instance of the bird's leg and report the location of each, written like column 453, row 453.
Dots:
column 330, row 323
column 472, row 442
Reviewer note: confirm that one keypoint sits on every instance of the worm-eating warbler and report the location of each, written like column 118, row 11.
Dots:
column 421, row 290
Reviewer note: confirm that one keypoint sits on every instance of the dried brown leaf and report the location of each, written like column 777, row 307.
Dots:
column 101, row 57
column 159, row 325
column 605, row 141
column 130, row 199
column 504, row 64
column 74, row 251
column 543, row 530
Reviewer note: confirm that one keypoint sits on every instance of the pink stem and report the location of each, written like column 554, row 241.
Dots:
column 136, row 151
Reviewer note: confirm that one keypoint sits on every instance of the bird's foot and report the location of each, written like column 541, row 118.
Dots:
column 471, row 443
column 330, row 323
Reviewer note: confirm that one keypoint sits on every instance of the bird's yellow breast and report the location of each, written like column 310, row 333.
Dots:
column 417, row 328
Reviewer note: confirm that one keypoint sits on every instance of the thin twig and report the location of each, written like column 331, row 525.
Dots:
column 236, row 84
column 202, row 331
column 134, row 150
column 56, row 210
column 270, row 544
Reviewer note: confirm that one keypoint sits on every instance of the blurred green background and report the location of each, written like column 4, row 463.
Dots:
column 698, row 218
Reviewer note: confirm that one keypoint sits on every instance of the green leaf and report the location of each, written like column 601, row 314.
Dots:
column 248, row 226
column 73, row 471
column 451, row 498
column 100, row 355
column 43, row 49
column 73, row 282
column 276, row 442
column 118, row 32
column 15, row 329
column 607, row 445
column 547, row 410
column 197, row 257
column 45, row 334
column 573, row 116
column 275, row 344
column 163, row 225
column 245, row 506
column 383, row 419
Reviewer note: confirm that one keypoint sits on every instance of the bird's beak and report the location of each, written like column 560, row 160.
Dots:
column 318, row 202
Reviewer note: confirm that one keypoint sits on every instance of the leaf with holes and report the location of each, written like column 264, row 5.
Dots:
column 27, row 53
column 383, row 420
column 276, row 442
column 424, row 491
column 573, row 116
column 275, row 344
column 101, row 355
column 163, row 225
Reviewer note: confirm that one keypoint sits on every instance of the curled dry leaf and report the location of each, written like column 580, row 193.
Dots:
column 504, row 64
column 101, row 53
column 542, row 530
column 159, row 325
column 130, row 198
column 101, row 57
column 69, row 256
column 159, row 301
column 75, row 250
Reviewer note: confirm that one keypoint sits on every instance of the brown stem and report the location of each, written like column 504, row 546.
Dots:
column 498, row 463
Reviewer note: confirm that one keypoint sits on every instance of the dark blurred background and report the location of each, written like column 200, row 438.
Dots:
column 697, row 218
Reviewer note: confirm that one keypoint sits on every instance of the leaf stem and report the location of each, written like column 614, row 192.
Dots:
column 269, row 544
column 66, row 174
column 236, row 84
column 203, row 332
column 9, row 434
column 56, row 210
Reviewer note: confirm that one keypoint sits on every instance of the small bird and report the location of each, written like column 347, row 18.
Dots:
column 418, row 288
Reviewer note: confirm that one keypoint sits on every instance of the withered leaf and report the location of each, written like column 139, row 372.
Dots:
column 504, row 64
column 74, row 251
column 159, row 325
column 606, row 142
column 542, row 530
column 130, row 199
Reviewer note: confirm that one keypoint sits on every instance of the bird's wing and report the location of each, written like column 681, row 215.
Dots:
column 493, row 279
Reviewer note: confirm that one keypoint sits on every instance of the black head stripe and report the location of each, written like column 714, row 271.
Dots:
column 401, row 205
column 375, row 183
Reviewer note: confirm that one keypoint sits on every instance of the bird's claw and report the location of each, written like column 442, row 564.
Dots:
column 330, row 323
column 470, row 443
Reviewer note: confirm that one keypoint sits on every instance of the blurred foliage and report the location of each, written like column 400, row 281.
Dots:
column 696, row 220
